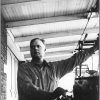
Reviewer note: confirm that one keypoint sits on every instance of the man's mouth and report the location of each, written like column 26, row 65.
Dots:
column 36, row 53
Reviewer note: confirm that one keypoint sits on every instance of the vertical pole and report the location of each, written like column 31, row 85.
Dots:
column 0, row 50
column 76, row 72
column 80, row 71
column 80, row 48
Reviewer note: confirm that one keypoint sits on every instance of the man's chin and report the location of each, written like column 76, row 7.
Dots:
column 36, row 57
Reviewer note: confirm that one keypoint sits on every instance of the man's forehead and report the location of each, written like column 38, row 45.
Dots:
column 37, row 42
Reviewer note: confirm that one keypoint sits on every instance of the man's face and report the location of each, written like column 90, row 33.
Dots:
column 37, row 49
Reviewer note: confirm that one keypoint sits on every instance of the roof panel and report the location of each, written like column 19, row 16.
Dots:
column 41, row 9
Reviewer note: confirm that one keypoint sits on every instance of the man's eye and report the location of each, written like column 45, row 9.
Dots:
column 39, row 46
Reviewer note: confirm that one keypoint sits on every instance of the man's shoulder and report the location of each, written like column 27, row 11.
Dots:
column 25, row 64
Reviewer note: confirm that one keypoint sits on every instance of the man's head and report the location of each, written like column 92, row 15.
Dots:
column 37, row 48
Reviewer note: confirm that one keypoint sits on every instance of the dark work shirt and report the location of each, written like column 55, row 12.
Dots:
column 36, row 81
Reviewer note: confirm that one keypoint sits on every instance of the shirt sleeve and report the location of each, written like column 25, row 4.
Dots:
column 65, row 66
column 27, row 88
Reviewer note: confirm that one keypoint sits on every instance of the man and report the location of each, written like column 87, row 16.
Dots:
column 37, row 80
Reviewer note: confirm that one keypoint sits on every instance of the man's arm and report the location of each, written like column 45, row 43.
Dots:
column 65, row 66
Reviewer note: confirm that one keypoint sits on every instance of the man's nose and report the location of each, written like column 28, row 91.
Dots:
column 35, row 47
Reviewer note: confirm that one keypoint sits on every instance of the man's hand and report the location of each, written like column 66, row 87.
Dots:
column 58, row 92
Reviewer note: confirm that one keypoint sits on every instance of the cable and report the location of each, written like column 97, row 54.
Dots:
column 84, row 29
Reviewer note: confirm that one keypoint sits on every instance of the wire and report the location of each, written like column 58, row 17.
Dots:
column 92, row 61
column 84, row 29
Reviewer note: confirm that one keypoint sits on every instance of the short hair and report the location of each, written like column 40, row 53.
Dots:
column 33, row 40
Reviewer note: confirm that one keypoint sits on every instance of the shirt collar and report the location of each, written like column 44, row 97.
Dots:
column 44, row 64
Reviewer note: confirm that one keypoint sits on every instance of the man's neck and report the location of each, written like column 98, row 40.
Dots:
column 37, row 61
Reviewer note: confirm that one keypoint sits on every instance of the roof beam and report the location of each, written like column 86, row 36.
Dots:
column 46, row 35
column 48, row 46
column 58, row 57
column 57, row 34
column 55, row 58
column 6, row 2
column 44, row 20
column 56, row 53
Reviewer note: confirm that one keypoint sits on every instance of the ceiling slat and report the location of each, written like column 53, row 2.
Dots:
column 53, row 53
column 60, row 34
column 31, row 30
column 44, row 20
column 6, row 2
column 55, row 57
column 48, row 46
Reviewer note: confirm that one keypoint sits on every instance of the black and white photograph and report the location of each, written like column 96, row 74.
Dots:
column 49, row 50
